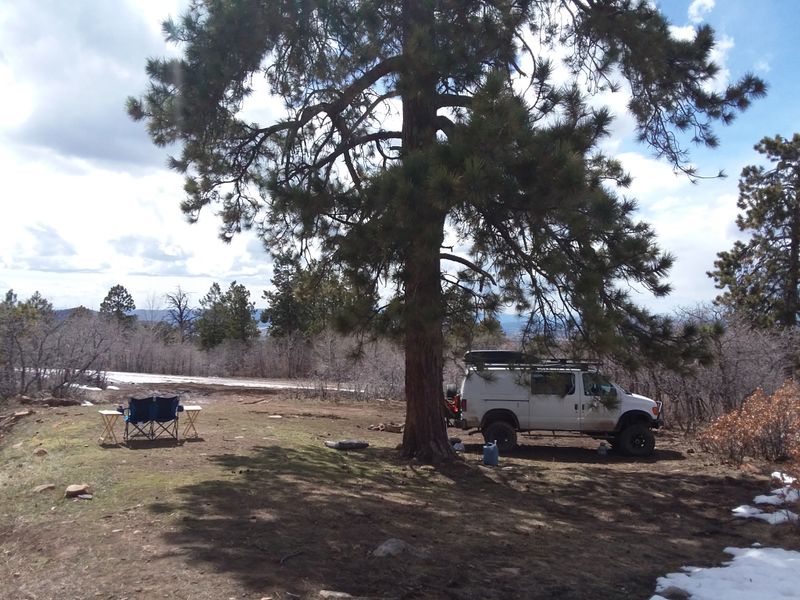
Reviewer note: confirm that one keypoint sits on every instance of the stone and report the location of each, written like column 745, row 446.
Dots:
column 23, row 413
column 40, row 451
column 391, row 547
column 674, row 593
column 75, row 490
column 84, row 496
column 331, row 595
column 44, row 487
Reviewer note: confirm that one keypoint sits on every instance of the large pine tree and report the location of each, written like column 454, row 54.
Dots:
column 407, row 119
column 761, row 277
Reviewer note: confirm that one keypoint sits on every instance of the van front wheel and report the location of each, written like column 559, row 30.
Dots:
column 502, row 433
column 636, row 440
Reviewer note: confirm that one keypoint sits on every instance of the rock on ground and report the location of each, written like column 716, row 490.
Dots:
column 77, row 490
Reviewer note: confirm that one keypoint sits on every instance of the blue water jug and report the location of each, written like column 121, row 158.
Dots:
column 491, row 455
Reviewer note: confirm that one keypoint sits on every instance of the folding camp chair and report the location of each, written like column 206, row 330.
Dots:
column 165, row 418
column 139, row 418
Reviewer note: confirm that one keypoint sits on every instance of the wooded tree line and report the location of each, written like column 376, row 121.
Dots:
column 52, row 352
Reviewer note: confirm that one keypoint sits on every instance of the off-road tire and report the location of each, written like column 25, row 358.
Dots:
column 502, row 433
column 636, row 440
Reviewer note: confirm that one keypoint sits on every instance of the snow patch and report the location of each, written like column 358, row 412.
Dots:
column 753, row 574
column 773, row 518
column 788, row 494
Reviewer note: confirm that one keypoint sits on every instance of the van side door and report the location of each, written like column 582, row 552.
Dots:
column 554, row 401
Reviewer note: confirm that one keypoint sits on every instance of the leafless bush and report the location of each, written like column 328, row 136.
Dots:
column 41, row 353
column 745, row 359
column 371, row 369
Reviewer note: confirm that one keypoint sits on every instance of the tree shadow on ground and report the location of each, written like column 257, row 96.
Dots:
column 570, row 454
column 301, row 520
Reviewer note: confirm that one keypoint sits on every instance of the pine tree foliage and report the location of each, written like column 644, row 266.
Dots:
column 118, row 304
column 307, row 300
column 226, row 316
column 404, row 118
column 761, row 276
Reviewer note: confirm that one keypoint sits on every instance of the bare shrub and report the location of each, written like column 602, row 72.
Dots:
column 765, row 426
column 367, row 369
column 745, row 359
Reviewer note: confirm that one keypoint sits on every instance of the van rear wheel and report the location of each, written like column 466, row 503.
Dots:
column 502, row 433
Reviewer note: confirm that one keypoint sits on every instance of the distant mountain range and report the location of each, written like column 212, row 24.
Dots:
column 512, row 324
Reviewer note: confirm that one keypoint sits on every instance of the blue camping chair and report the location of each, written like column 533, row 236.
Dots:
column 139, row 418
column 165, row 417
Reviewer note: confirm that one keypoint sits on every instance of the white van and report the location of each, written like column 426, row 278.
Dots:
column 503, row 393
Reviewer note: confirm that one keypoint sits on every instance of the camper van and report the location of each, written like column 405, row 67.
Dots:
column 504, row 393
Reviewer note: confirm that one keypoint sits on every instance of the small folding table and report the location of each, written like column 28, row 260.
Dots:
column 109, row 420
column 191, row 411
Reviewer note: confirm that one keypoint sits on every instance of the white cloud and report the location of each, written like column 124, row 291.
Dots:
column 651, row 177
column 762, row 66
column 685, row 33
column 693, row 223
column 110, row 227
column 719, row 56
column 698, row 9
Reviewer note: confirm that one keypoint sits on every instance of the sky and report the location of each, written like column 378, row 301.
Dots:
column 86, row 201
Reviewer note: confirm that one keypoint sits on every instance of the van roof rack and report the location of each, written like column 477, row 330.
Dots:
column 505, row 358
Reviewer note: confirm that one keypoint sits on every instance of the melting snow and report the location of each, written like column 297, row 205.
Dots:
column 754, row 573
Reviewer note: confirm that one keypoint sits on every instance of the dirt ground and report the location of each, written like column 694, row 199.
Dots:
column 258, row 507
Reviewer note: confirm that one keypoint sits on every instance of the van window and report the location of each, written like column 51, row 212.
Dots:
column 595, row 384
column 552, row 383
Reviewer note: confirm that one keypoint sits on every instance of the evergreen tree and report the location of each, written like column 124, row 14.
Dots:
column 227, row 316
column 117, row 304
column 308, row 300
column 239, row 322
column 517, row 175
column 211, row 318
column 761, row 277
column 284, row 315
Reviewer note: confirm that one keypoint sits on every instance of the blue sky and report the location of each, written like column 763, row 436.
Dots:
column 86, row 203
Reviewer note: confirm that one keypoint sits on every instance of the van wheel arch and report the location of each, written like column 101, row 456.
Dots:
column 633, row 417
column 500, row 414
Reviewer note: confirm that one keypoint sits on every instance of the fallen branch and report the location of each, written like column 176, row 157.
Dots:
column 292, row 555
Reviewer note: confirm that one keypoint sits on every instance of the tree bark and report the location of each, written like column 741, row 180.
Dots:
column 425, row 434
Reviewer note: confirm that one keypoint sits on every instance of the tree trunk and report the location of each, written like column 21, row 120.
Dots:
column 425, row 435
